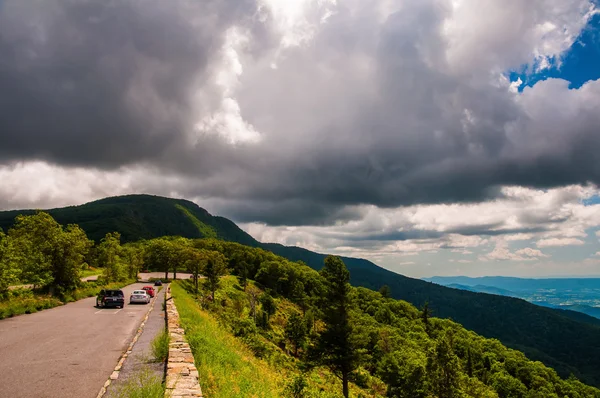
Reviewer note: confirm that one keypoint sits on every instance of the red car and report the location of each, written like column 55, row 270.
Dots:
column 149, row 290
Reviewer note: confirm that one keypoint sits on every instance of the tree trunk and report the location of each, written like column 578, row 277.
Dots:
column 166, row 273
column 175, row 272
column 345, row 384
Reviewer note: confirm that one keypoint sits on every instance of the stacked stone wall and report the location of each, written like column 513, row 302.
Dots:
column 182, row 375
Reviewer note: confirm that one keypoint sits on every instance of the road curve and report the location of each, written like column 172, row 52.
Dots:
column 67, row 351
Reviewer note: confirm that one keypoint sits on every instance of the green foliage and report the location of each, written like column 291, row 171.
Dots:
column 160, row 346
column 335, row 348
column 568, row 345
column 395, row 350
column 109, row 253
column 51, row 256
column 213, row 271
column 227, row 368
column 9, row 266
column 385, row 291
column 16, row 304
column 268, row 304
column 206, row 231
column 297, row 388
column 296, row 331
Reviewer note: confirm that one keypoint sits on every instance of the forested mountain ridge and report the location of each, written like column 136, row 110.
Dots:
column 551, row 336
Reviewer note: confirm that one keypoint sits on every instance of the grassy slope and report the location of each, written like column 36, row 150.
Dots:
column 564, row 340
column 226, row 367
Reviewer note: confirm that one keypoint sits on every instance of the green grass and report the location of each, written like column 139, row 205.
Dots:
column 91, row 271
column 206, row 230
column 142, row 385
column 227, row 368
column 26, row 305
column 160, row 346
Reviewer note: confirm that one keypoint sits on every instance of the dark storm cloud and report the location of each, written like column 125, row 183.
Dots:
column 278, row 213
column 105, row 83
column 370, row 110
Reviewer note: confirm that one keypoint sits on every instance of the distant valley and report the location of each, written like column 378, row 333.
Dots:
column 575, row 294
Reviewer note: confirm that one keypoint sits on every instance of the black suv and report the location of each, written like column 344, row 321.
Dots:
column 110, row 298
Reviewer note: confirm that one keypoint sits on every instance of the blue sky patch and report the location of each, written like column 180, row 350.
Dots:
column 579, row 65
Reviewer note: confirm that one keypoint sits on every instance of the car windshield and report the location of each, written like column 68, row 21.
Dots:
column 113, row 293
column 139, row 292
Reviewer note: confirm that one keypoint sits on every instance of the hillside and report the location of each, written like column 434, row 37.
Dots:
column 141, row 217
column 565, row 340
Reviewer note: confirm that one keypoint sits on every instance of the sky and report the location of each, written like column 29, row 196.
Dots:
column 433, row 137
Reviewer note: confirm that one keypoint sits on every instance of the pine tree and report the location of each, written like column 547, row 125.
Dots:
column 425, row 315
column 335, row 348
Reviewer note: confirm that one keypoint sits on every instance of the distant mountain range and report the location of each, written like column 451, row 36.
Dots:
column 572, row 294
column 565, row 340
column 514, row 284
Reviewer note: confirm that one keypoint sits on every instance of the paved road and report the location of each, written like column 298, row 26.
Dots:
column 67, row 351
column 144, row 276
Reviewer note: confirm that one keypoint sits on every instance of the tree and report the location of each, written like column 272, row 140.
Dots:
column 50, row 256
column 295, row 331
column 243, row 273
column 134, row 256
column 109, row 256
column 425, row 315
column 469, row 362
column 443, row 369
column 214, row 269
column 335, row 347
column 195, row 262
column 385, row 291
column 9, row 269
column 253, row 294
column 268, row 305
column 158, row 255
column 35, row 237
column 404, row 373
column 72, row 245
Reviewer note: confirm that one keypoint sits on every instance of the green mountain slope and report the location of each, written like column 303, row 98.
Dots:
column 142, row 217
column 564, row 340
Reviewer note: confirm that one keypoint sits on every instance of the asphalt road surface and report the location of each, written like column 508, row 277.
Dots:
column 68, row 351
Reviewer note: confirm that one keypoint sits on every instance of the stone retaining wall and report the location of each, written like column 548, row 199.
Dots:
column 182, row 375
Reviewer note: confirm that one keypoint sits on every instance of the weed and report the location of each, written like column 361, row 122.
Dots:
column 160, row 346
column 142, row 385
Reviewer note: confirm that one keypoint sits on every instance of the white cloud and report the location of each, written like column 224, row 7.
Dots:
column 332, row 81
column 559, row 242
column 529, row 252
column 502, row 252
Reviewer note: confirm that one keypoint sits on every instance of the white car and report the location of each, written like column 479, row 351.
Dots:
column 139, row 296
